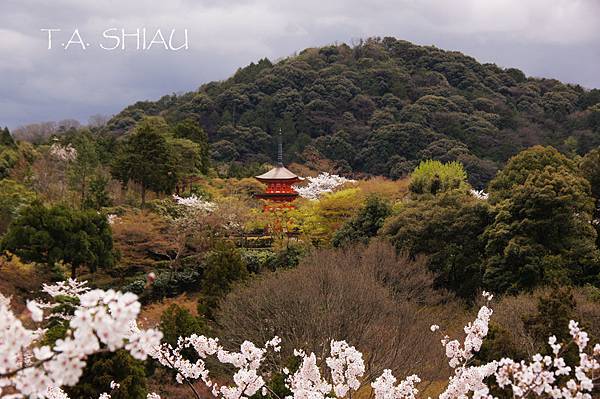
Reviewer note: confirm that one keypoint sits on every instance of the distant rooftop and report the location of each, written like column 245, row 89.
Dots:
column 279, row 172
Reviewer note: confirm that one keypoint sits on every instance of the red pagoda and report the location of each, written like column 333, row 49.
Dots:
column 280, row 194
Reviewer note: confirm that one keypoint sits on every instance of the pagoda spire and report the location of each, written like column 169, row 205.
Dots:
column 279, row 149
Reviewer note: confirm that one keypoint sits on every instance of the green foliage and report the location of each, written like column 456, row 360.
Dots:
column 554, row 311
column 277, row 385
column 188, row 157
column 57, row 233
column 519, row 168
column 432, row 177
column 178, row 322
column 97, row 196
column 288, row 256
column 6, row 138
column 319, row 220
column 8, row 158
column 174, row 282
column 499, row 344
column 13, row 196
column 590, row 168
column 239, row 170
column 537, row 229
column 376, row 106
column 365, row 224
column 257, row 260
column 103, row 368
column 84, row 167
column 190, row 130
column 147, row 158
column 54, row 332
column 136, row 286
column 224, row 266
column 541, row 231
column 447, row 229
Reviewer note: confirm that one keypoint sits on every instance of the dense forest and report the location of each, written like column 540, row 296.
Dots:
column 429, row 179
column 378, row 108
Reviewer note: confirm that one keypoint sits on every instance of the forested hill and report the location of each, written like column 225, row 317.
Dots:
column 379, row 107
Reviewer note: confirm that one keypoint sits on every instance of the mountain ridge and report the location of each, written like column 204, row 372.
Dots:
column 379, row 107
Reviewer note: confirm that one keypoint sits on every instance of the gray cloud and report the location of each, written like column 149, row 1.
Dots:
column 550, row 38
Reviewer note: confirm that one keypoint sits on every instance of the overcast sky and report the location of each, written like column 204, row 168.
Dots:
column 545, row 38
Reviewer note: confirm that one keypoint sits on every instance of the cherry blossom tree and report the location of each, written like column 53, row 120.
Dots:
column 188, row 221
column 195, row 204
column 322, row 184
column 105, row 321
column 65, row 153
column 99, row 323
column 479, row 194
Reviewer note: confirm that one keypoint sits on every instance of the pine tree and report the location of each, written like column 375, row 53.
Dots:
column 147, row 159
column 6, row 138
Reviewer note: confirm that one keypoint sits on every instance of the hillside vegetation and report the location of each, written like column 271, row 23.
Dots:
column 390, row 238
column 379, row 107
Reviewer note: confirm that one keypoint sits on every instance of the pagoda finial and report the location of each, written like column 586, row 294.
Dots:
column 279, row 150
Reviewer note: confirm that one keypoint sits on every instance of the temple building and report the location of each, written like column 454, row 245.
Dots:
column 279, row 193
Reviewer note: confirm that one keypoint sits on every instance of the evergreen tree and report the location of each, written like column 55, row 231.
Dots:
column 590, row 167
column 224, row 266
column 6, row 138
column 176, row 322
column 52, row 234
column 365, row 224
column 98, row 194
column 103, row 368
column 554, row 311
column 147, row 158
column 519, row 167
column 13, row 196
column 447, row 228
column 190, row 130
column 541, row 231
column 187, row 157
column 84, row 166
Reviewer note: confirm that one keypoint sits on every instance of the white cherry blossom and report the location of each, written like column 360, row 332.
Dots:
column 105, row 320
column 323, row 184
column 195, row 203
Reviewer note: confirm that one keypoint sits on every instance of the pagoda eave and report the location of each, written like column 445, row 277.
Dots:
column 284, row 181
column 277, row 196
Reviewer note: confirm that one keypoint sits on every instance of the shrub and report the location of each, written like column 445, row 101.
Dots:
column 178, row 322
column 365, row 224
column 103, row 368
column 136, row 286
column 257, row 260
column 174, row 282
column 288, row 256
column 432, row 177
column 13, row 196
column 224, row 265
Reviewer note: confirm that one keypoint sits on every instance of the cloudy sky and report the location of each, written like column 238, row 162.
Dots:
column 549, row 38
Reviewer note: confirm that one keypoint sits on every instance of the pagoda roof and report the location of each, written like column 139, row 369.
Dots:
column 279, row 172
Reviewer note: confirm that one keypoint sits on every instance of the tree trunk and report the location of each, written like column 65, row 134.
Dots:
column 73, row 271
